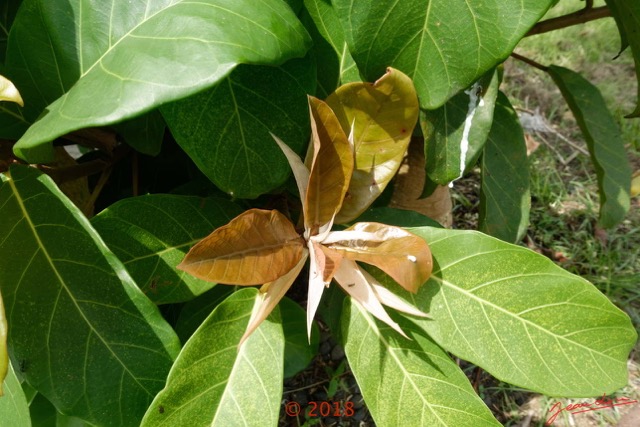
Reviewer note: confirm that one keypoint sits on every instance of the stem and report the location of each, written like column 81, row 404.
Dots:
column 531, row 62
column 589, row 13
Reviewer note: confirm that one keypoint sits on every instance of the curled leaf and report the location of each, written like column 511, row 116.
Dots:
column 402, row 255
column 384, row 115
column 8, row 92
column 256, row 247
column 272, row 293
column 331, row 167
column 356, row 284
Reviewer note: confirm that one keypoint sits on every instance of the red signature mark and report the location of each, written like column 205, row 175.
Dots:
column 577, row 408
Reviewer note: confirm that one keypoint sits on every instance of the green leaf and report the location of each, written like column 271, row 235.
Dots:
column 151, row 235
column 444, row 46
column 335, row 64
column 8, row 10
column 521, row 317
column 457, row 131
column 144, row 133
column 195, row 312
column 627, row 16
column 4, row 353
column 14, row 410
column 43, row 413
column 605, row 143
column 86, row 334
column 505, row 199
column 299, row 350
column 215, row 383
column 408, row 382
column 225, row 130
column 104, row 51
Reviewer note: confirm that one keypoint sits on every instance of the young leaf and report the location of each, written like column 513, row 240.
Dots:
column 254, row 248
column 383, row 116
column 212, row 383
column 504, row 194
column 226, row 129
column 14, row 409
column 8, row 92
column 521, row 317
column 606, row 146
column 105, row 52
column 270, row 294
column 408, row 382
column 331, row 169
column 443, row 46
column 151, row 234
column 400, row 254
column 79, row 307
column 457, row 131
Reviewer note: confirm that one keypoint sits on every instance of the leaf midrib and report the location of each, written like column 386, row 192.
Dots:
column 516, row 317
column 63, row 284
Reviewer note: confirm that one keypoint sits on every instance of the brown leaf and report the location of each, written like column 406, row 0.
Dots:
column 355, row 283
column 402, row 255
column 256, row 247
column 331, row 167
column 270, row 294
column 384, row 115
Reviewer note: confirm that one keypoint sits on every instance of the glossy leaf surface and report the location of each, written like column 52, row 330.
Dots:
column 151, row 235
column 79, row 307
column 505, row 199
column 226, row 129
column 408, row 382
column 254, row 248
column 103, row 49
column 213, row 383
column 400, row 254
column 331, row 169
column 14, row 410
column 457, row 131
column 443, row 46
column 383, row 115
column 522, row 318
column 605, row 143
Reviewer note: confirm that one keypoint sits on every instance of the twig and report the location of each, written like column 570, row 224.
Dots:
column 589, row 13
column 529, row 61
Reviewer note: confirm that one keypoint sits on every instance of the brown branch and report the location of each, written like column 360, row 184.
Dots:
column 531, row 62
column 589, row 13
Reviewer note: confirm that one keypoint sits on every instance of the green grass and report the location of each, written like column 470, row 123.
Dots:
column 565, row 198
column 565, row 206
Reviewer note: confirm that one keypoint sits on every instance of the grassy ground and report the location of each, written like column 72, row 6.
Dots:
column 564, row 189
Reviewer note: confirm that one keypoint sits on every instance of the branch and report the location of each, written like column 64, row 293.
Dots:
column 531, row 62
column 589, row 13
